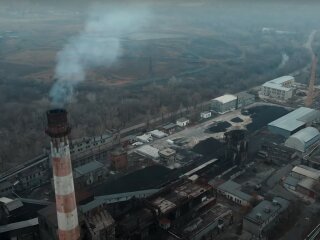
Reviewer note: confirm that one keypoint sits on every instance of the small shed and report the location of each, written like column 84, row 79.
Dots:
column 182, row 122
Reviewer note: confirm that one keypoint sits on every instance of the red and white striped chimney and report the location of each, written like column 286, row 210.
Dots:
column 58, row 129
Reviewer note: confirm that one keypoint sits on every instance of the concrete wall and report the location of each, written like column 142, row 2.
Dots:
column 234, row 198
column 245, row 100
column 279, row 131
column 220, row 107
column 251, row 227
column 276, row 93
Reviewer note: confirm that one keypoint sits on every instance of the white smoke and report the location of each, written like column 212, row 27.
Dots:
column 285, row 59
column 99, row 44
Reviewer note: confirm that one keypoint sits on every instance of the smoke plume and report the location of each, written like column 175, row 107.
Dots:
column 99, row 44
column 285, row 59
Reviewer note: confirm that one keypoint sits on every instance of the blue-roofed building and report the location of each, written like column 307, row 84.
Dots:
column 304, row 139
column 294, row 121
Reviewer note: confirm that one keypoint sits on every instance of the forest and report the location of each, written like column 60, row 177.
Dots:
column 195, row 54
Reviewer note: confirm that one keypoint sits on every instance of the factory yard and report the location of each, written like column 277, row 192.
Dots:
column 174, row 151
column 196, row 133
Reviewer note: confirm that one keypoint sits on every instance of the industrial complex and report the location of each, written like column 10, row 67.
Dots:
column 237, row 171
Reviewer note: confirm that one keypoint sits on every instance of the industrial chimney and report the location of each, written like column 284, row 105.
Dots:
column 58, row 129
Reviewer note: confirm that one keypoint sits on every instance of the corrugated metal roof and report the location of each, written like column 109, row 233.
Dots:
column 295, row 119
column 169, row 126
column 148, row 151
column 281, row 80
column 307, row 134
column 157, row 133
column 278, row 83
column 276, row 86
column 307, row 183
column 291, row 181
column 226, row 98
column 234, row 189
column 19, row 225
column 307, row 172
column 267, row 210
column 89, row 167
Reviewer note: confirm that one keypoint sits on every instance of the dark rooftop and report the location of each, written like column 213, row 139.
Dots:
column 148, row 178
column 28, row 211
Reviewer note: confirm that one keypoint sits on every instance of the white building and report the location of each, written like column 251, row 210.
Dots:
column 182, row 122
column 304, row 139
column 205, row 115
column 158, row 134
column 148, row 151
column 279, row 89
column 224, row 103
column 145, row 138
column 294, row 121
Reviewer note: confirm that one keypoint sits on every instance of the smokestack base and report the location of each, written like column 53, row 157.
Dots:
column 58, row 125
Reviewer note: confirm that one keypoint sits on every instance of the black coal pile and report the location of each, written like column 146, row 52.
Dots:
column 262, row 115
column 219, row 127
column 236, row 120
column 210, row 148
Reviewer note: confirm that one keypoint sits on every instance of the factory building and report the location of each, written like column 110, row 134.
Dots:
column 291, row 182
column 278, row 89
column 304, row 180
column 302, row 171
column 294, row 121
column 264, row 216
column 169, row 128
column 276, row 153
column 232, row 190
column 148, row 151
column 94, row 220
column 308, row 187
column 174, row 205
column 119, row 159
column 208, row 223
column 19, row 218
column 304, row 139
column 158, row 134
column 230, row 102
column 168, row 156
column 30, row 174
column 91, row 173
column 224, row 103
column 145, row 138
column 88, row 149
column 244, row 99
column 236, row 146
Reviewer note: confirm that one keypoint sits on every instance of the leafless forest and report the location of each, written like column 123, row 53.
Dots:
column 188, row 54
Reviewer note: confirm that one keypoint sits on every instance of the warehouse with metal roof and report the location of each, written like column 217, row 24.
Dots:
column 303, row 139
column 294, row 121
